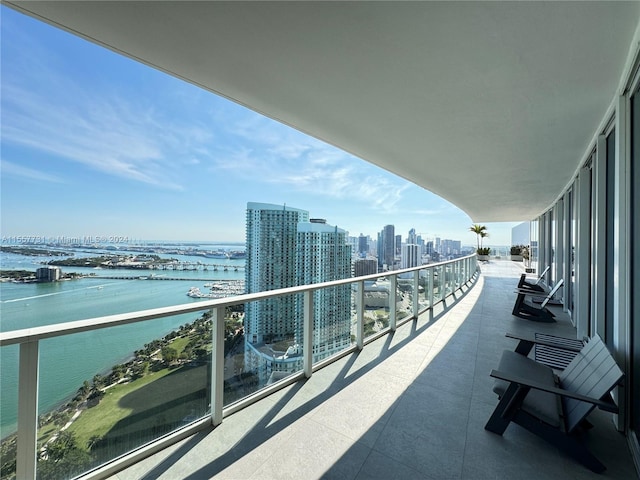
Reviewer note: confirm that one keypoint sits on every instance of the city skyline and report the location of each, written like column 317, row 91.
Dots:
column 107, row 147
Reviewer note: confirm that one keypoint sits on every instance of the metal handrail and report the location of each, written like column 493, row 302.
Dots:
column 96, row 323
column 28, row 339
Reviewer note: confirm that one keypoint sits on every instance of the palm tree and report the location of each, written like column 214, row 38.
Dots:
column 480, row 231
column 483, row 235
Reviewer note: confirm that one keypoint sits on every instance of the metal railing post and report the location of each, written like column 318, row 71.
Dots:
column 430, row 288
column 416, row 289
column 360, row 315
column 393, row 303
column 28, row 375
column 217, row 369
column 307, row 341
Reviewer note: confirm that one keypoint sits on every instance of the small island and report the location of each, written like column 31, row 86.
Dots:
column 143, row 262
column 28, row 276
column 34, row 252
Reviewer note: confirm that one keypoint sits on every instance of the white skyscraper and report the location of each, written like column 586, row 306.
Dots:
column 410, row 256
column 271, row 263
column 322, row 256
column 285, row 249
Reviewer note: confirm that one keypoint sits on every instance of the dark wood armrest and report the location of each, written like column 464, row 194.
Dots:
column 607, row 406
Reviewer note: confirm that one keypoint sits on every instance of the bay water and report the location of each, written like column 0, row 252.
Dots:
column 66, row 362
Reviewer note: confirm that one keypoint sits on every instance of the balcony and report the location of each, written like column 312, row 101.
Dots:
column 411, row 404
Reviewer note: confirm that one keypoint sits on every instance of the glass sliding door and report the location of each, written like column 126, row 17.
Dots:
column 570, row 242
column 533, row 248
column 635, row 265
column 609, row 245
column 554, row 246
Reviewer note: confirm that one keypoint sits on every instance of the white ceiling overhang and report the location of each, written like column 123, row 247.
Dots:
column 490, row 105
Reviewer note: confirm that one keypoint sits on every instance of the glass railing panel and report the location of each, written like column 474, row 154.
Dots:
column 354, row 312
column 106, row 392
column 332, row 321
column 448, row 272
column 269, row 349
column 9, row 358
column 437, row 284
column 423, row 289
column 404, row 295
column 376, row 305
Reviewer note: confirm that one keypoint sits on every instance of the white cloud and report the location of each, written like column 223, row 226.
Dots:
column 104, row 133
column 13, row 169
column 278, row 155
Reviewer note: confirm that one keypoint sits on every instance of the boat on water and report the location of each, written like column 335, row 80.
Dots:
column 218, row 290
column 216, row 254
column 194, row 292
column 237, row 254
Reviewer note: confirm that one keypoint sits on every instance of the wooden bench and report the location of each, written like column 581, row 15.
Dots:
column 555, row 407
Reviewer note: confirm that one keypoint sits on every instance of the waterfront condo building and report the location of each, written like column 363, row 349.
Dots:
column 322, row 255
column 285, row 249
column 48, row 274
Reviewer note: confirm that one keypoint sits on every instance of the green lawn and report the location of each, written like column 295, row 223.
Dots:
column 158, row 398
column 100, row 419
column 179, row 343
column 46, row 432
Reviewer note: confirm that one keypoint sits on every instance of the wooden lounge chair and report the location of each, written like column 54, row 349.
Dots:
column 524, row 309
column 533, row 286
column 556, row 407
column 551, row 350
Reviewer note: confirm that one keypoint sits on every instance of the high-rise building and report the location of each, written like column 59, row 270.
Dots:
column 322, row 255
column 354, row 244
column 410, row 257
column 412, row 238
column 48, row 274
column 363, row 245
column 450, row 248
column 271, row 233
column 421, row 247
column 365, row 266
column 386, row 248
column 284, row 249
column 429, row 249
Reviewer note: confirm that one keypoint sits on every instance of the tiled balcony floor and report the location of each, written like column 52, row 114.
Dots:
column 411, row 405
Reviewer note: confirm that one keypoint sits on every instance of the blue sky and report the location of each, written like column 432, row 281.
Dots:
column 95, row 144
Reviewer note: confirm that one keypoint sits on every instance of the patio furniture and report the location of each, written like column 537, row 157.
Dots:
column 551, row 350
column 556, row 407
column 533, row 286
column 524, row 309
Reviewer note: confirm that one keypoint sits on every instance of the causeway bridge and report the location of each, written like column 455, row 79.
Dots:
column 151, row 277
column 179, row 266
column 195, row 266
